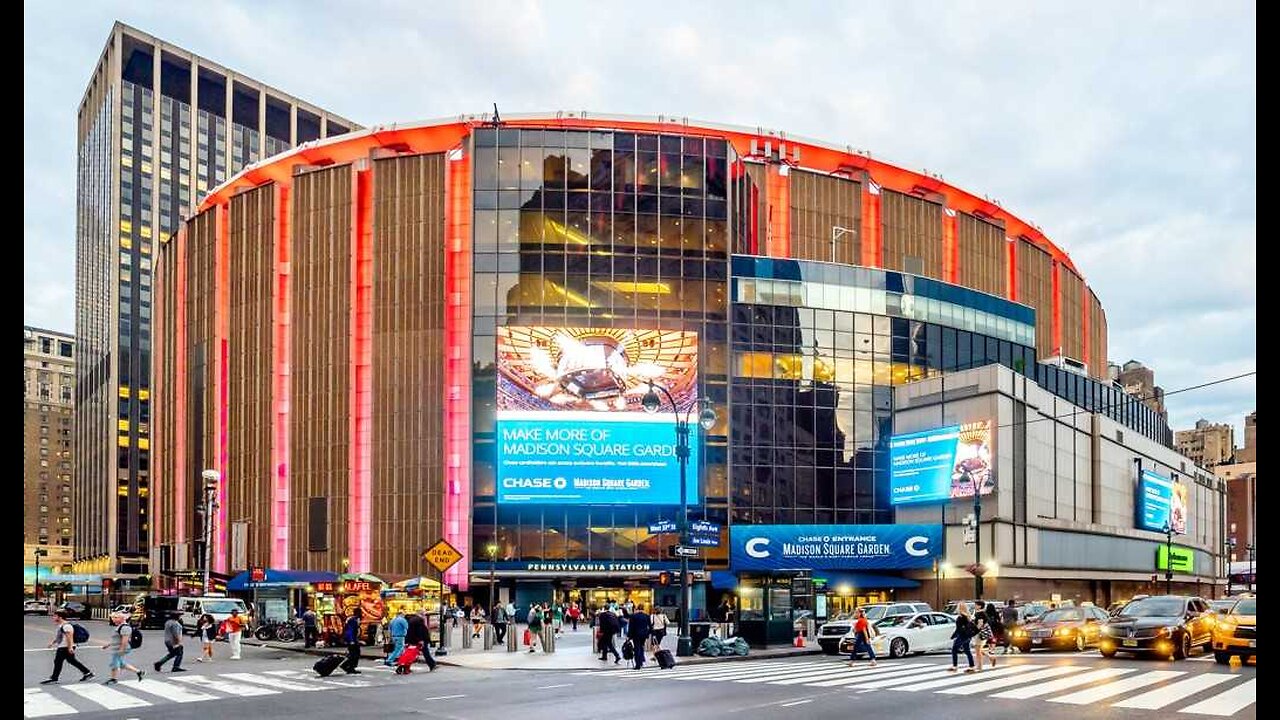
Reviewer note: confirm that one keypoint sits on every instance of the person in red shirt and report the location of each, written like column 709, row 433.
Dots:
column 862, row 634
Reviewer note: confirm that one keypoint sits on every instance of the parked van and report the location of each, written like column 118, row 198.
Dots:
column 220, row 608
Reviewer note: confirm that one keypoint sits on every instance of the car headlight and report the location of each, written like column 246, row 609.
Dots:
column 1019, row 633
column 1166, row 631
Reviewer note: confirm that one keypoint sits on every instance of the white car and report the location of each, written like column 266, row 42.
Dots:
column 35, row 607
column 900, row 635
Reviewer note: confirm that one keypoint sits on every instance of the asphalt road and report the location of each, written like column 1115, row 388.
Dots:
column 280, row 684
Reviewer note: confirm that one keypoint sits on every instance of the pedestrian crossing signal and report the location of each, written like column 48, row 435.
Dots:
column 664, row 578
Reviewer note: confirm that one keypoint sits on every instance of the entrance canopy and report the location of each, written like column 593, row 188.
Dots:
column 280, row 579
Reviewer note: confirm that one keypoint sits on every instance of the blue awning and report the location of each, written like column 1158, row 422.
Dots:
column 865, row 581
column 281, row 579
column 724, row 580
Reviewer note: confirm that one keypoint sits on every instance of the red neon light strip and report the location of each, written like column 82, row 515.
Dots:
column 180, row 509
column 950, row 246
column 280, row 386
column 221, row 311
column 457, row 372
column 1011, row 268
column 872, row 252
column 358, row 527
column 155, row 509
column 778, row 187
column 1057, row 313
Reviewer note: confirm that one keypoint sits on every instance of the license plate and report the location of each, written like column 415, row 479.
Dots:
column 1129, row 643
column 1037, row 641
column 1253, row 643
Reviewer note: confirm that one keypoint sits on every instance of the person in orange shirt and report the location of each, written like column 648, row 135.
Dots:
column 862, row 634
column 235, row 626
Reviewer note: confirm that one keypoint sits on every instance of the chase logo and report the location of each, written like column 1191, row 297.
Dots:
column 917, row 546
column 757, row 547
column 559, row 483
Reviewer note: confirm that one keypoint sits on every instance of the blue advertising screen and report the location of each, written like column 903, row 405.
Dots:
column 939, row 465
column 1161, row 500
column 615, row 460
column 833, row 547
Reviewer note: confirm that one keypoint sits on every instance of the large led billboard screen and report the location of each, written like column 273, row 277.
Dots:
column 1160, row 501
column 941, row 465
column 571, row 429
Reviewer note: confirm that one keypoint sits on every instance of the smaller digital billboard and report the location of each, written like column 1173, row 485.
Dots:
column 942, row 464
column 1161, row 501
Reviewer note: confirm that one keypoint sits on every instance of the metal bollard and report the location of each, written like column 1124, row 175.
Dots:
column 548, row 638
column 488, row 636
column 443, row 647
column 466, row 637
column 513, row 641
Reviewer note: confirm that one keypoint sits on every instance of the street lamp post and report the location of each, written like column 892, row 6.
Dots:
column 1249, row 548
column 492, row 549
column 1168, row 559
column 211, row 478
column 40, row 552
column 977, row 535
column 836, row 232
column 706, row 419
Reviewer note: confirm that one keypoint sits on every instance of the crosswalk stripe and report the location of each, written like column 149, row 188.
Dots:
column 1111, row 689
column 338, row 681
column 894, row 681
column 740, row 674
column 229, row 688
column 106, row 697
column 922, row 671
column 1228, row 702
column 1062, row 684
column 783, row 673
column 966, row 678
column 174, row 693
column 844, row 672
column 38, row 703
column 1042, row 674
column 274, row 682
column 1168, row 694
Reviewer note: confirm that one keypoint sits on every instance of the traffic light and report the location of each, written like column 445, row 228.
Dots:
column 664, row 578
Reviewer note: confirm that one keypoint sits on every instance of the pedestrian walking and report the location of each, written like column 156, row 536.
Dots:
column 418, row 635
column 310, row 628
column 557, row 617
column 638, row 629
column 1009, row 619
column 983, row 641
column 574, row 613
column 120, row 645
column 960, row 638
column 499, row 623
column 64, row 636
column 999, row 636
column 659, row 632
column 607, row 628
column 351, row 636
column 234, row 630
column 863, row 631
column 207, row 631
column 398, row 629
column 535, row 628
column 477, row 621
column 173, row 643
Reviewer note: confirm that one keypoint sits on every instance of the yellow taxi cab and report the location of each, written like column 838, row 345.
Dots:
column 1236, row 632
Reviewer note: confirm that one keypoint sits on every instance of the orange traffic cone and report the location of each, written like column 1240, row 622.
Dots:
column 799, row 640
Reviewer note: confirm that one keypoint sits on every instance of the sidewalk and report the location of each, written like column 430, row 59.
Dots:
column 573, row 652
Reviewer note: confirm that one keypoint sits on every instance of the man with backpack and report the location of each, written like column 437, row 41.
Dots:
column 123, row 640
column 66, row 637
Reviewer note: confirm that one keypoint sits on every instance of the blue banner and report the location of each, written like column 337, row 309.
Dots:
column 833, row 547
column 941, row 464
column 612, row 459
column 1161, row 501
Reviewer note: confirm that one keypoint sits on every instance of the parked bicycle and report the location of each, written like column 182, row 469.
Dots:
column 287, row 631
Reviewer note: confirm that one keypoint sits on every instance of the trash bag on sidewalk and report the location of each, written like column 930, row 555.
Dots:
column 736, row 646
column 710, row 647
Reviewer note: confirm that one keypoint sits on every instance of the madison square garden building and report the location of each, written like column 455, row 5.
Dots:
column 445, row 330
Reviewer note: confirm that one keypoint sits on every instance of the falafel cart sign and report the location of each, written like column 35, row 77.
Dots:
column 833, row 547
column 570, row 425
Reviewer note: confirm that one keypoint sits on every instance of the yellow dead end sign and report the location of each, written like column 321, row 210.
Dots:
column 442, row 556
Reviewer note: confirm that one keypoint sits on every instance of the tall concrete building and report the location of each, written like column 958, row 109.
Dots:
column 1139, row 381
column 1208, row 444
column 48, row 394
column 158, row 128
column 1249, row 453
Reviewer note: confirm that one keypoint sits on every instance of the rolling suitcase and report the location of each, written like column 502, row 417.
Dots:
column 665, row 659
column 325, row 666
column 404, row 663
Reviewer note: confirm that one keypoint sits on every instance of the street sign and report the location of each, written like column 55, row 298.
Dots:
column 442, row 556
column 1183, row 559
column 705, row 540
column 683, row 551
column 662, row 526
column 970, row 535
column 703, row 526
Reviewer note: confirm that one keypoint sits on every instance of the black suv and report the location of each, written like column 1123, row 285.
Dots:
column 1164, row 625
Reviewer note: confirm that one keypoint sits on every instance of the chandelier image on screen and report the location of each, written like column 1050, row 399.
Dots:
column 570, row 425
column 593, row 369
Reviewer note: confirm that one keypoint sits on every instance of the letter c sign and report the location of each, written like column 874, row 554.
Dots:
column 914, row 543
column 754, row 547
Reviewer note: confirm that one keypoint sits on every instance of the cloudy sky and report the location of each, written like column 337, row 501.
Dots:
column 1126, row 131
